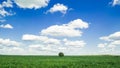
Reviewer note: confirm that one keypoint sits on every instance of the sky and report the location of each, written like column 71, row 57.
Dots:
column 47, row 27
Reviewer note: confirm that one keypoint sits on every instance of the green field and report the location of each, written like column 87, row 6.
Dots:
column 59, row 62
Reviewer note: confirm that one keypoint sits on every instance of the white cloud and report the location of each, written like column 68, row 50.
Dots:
column 4, row 13
column 6, row 4
column 38, row 47
column 111, row 37
column 72, row 29
column 8, row 46
column 112, row 46
column 7, row 26
column 42, row 39
column 52, row 41
column 74, row 43
column 13, row 51
column 116, row 42
column 63, row 30
column 8, row 42
column 102, row 45
column 111, row 42
column 62, row 48
column 58, row 8
column 44, row 44
column 35, row 46
column 31, row 3
column 105, row 38
column 116, row 2
column 78, row 23
column 114, row 36
column 43, row 48
column 30, row 37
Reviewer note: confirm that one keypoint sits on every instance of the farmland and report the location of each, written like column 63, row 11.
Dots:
column 11, row 61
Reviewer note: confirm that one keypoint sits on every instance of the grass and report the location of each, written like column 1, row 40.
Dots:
column 59, row 62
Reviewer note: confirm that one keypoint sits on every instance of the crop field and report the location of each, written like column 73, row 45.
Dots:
column 59, row 62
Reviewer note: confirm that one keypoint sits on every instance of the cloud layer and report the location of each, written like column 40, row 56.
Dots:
column 8, row 42
column 111, row 42
column 48, row 41
column 43, row 39
column 44, row 44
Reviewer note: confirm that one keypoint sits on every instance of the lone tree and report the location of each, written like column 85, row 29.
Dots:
column 61, row 54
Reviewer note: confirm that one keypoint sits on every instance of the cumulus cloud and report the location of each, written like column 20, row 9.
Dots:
column 44, row 44
column 6, row 4
column 74, row 43
column 111, row 41
column 78, row 23
column 8, row 46
column 30, row 37
column 58, row 8
column 111, row 37
column 52, row 41
column 63, row 30
column 39, row 47
column 62, row 48
column 105, row 38
column 43, row 39
column 116, row 42
column 4, row 13
column 116, row 2
column 72, row 29
column 102, row 45
column 13, row 51
column 31, row 3
column 8, row 42
column 7, row 26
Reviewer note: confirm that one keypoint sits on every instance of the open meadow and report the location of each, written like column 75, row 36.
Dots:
column 59, row 62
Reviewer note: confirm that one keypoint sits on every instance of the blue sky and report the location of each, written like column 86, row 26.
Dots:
column 46, row 27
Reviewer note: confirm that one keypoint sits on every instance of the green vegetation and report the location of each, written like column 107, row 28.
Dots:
column 59, row 62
